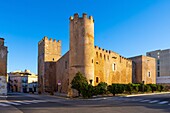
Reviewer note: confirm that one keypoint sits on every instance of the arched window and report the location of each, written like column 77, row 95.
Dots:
column 100, row 55
column 97, row 54
column 104, row 57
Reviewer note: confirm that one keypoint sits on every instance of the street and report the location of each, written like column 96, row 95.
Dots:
column 29, row 103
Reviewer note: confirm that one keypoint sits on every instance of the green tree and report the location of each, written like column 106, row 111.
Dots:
column 153, row 87
column 87, row 90
column 101, row 88
column 160, row 88
column 129, row 88
column 116, row 89
column 79, row 82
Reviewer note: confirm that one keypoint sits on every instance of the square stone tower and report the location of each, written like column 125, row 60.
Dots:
column 3, row 68
column 48, row 51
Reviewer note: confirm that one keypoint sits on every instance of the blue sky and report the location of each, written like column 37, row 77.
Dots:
column 128, row 27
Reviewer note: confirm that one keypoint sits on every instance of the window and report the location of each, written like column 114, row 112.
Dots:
column 120, row 59
column 104, row 57
column 108, row 57
column 149, row 74
column 65, row 64
column 100, row 55
column 158, row 68
column 97, row 79
column 91, row 81
column 158, row 74
column 158, row 62
column 97, row 62
column 114, row 67
column 53, row 59
column 92, row 60
column 97, row 54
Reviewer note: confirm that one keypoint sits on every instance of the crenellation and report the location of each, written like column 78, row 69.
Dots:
column 76, row 16
column 95, row 63
column 84, row 15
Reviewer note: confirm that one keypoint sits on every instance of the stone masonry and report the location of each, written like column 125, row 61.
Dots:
column 3, row 68
column 96, row 64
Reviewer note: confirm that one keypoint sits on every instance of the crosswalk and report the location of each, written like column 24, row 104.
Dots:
column 149, row 101
column 5, row 103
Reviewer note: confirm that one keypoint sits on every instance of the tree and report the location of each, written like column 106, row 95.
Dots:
column 129, row 88
column 153, row 87
column 87, row 90
column 116, row 89
column 79, row 82
column 160, row 87
column 101, row 88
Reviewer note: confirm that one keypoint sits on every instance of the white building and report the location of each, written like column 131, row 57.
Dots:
column 163, row 64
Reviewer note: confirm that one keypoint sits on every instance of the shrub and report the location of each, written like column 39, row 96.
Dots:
column 129, row 88
column 87, row 90
column 79, row 82
column 147, row 88
column 136, row 87
column 116, row 89
column 101, row 88
column 153, row 87
column 160, row 88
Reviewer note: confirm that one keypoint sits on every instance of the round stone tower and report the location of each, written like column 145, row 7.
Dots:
column 81, row 54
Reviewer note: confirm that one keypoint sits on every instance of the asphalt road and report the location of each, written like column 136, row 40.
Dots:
column 27, row 103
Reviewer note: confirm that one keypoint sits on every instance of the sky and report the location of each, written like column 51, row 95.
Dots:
column 128, row 27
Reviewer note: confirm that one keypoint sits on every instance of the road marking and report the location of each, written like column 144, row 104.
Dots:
column 163, row 102
column 5, row 105
column 154, row 101
column 23, row 102
column 13, row 103
column 144, row 100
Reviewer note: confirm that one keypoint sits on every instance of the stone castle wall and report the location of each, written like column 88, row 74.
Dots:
column 110, row 67
column 144, row 69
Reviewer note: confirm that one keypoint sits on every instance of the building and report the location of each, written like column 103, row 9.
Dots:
column 162, row 65
column 144, row 69
column 55, row 72
column 3, row 67
column 22, row 81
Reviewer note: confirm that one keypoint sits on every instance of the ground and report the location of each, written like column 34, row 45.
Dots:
column 28, row 103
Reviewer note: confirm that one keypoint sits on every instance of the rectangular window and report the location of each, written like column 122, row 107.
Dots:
column 158, row 74
column 114, row 67
column 97, row 79
column 65, row 64
column 149, row 74
column 158, row 68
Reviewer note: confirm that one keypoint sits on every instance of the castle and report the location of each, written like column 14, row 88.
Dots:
column 55, row 72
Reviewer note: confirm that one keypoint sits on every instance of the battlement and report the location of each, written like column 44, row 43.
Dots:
column 104, row 50
column 1, row 41
column 109, row 52
column 50, row 40
column 84, row 16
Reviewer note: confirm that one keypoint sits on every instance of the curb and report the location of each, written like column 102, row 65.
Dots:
column 146, row 94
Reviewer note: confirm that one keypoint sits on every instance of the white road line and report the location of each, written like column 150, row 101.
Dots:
column 23, row 102
column 163, row 102
column 13, row 103
column 5, row 105
column 144, row 100
column 154, row 101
